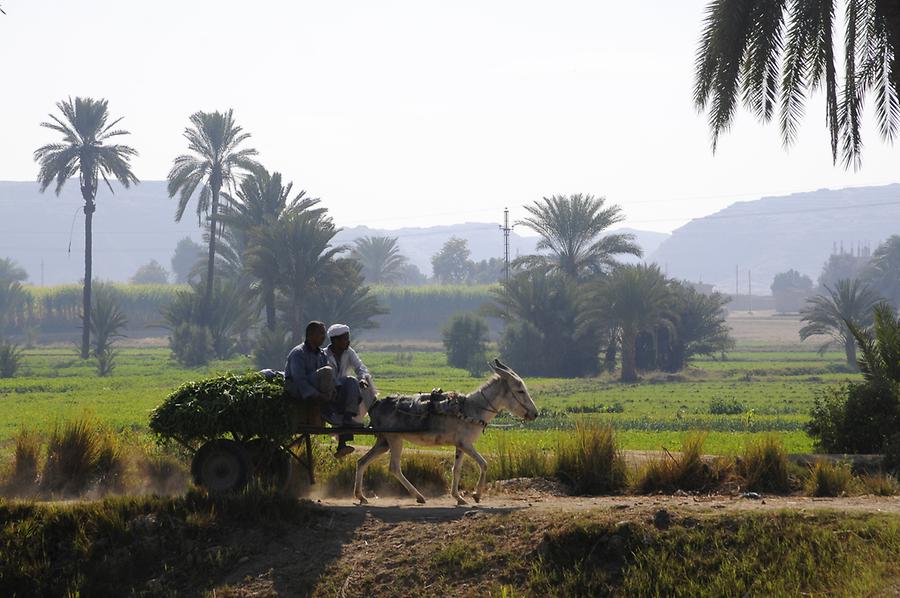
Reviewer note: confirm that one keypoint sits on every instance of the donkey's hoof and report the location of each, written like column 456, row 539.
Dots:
column 477, row 497
column 420, row 500
column 362, row 500
column 460, row 501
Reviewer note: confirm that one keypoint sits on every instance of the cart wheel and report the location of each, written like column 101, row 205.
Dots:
column 221, row 466
column 271, row 464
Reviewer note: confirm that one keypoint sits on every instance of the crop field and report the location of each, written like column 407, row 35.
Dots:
column 749, row 394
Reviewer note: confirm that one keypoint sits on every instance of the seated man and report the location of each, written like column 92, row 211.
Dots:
column 342, row 359
column 306, row 373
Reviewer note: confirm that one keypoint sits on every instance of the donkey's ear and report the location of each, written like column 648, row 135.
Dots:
column 493, row 366
column 501, row 366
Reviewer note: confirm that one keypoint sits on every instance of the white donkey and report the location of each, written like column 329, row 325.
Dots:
column 505, row 391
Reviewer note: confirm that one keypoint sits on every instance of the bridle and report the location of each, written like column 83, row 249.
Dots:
column 493, row 409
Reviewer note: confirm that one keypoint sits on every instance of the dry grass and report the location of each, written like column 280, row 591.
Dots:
column 590, row 460
column 827, row 478
column 880, row 484
column 429, row 473
column 763, row 466
column 688, row 471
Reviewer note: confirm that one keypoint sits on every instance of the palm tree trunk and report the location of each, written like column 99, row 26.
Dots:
column 850, row 350
column 89, row 208
column 270, row 306
column 297, row 329
column 211, row 266
column 629, row 367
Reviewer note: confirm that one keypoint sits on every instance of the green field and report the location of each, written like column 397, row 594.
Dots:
column 774, row 392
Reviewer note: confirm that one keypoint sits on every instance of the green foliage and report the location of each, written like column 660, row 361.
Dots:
column 465, row 340
column 10, row 359
column 107, row 322
column 829, row 479
column 380, row 257
column 883, row 272
column 763, row 466
column 240, row 406
column 150, row 273
column 272, row 347
column 516, row 459
column 191, row 344
column 721, row 406
column 590, row 461
column 828, row 314
column 451, row 264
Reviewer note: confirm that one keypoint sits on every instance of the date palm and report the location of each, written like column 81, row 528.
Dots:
column 214, row 140
column 632, row 299
column 573, row 229
column 261, row 201
column 883, row 272
column 86, row 150
column 380, row 258
column 827, row 314
column 771, row 54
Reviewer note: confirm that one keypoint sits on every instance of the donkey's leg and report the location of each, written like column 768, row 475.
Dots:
column 457, row 472
column 396, row 445
column 482, row 464
column 380, row 448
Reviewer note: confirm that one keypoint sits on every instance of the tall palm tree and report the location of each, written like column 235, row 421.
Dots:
column 299, row 248
column 380, row 258
column 86, row 151
column 573, row 229
column 633, row 299
column 261, row 201
column 828, row 314
column 214, row 139
column 771, row 52
column 10, row 270
column 883, row 272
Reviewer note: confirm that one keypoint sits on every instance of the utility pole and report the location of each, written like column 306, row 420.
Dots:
column 737, row 282
column 749, row 293
column 506, row 228
column 42, row 271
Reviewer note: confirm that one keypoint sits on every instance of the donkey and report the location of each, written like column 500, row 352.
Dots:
column 504, row 391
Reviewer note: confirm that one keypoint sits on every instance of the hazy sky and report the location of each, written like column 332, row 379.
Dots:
column 417, row 112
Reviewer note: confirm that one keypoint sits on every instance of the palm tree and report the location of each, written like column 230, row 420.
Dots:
column 572, row 229
column 299, row 249
column 85, row 150
column 380, row 258
column 10, row 270
column 213, row 137
column 261, row 201
column 883, row 272
column 880, row 347
column 771, row 52
column 633, row 299
column 849, row 301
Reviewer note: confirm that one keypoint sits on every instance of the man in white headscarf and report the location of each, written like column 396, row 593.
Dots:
column 350, row 388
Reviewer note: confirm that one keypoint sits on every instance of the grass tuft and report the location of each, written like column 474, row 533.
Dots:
column 428, row 473
column 80, row 453
column 590, row 460
column 827, row 478
column 763, row 466
column 686, row 472
column 880, row 484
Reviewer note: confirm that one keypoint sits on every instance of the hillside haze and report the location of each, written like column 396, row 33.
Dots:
column 774, row 234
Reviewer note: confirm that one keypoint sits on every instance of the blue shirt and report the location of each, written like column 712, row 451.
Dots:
column 300, row 370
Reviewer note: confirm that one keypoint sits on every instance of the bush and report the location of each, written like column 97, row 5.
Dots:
column 590, row 460
column 10, row 360
column 880, row 484
column 720, row 406
column 465, row 339
column 272, row 347
column 107, row 322
column 80, row 453
column 829, row 479
column 855, row 418
column 191, row 344
column 243, row 406
column 686, row 472
column 763, row 466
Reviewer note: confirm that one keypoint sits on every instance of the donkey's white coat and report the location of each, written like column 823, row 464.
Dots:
column 505, row 391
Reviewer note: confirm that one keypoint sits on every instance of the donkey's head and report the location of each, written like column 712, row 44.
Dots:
column 513, row 394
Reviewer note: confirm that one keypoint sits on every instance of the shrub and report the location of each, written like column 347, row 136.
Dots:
column 880, row 484
column 10, row 360
column 243, row 406
column 78, row 454
column 590, row 460
column 191, row 344
column 720, row 406
column 829, row 479
column 107, row 322
column 685, row 472
column 855, row 418
column 272, row 347
column 465, row 340
column 763, row 466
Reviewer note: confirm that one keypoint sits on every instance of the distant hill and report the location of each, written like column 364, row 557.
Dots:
column 135, row 225
column 774, row 234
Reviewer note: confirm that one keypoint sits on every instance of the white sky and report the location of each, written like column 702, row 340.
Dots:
column 417, row 112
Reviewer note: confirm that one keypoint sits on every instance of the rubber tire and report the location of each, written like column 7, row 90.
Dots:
column 271, row 465
column 221, row 466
